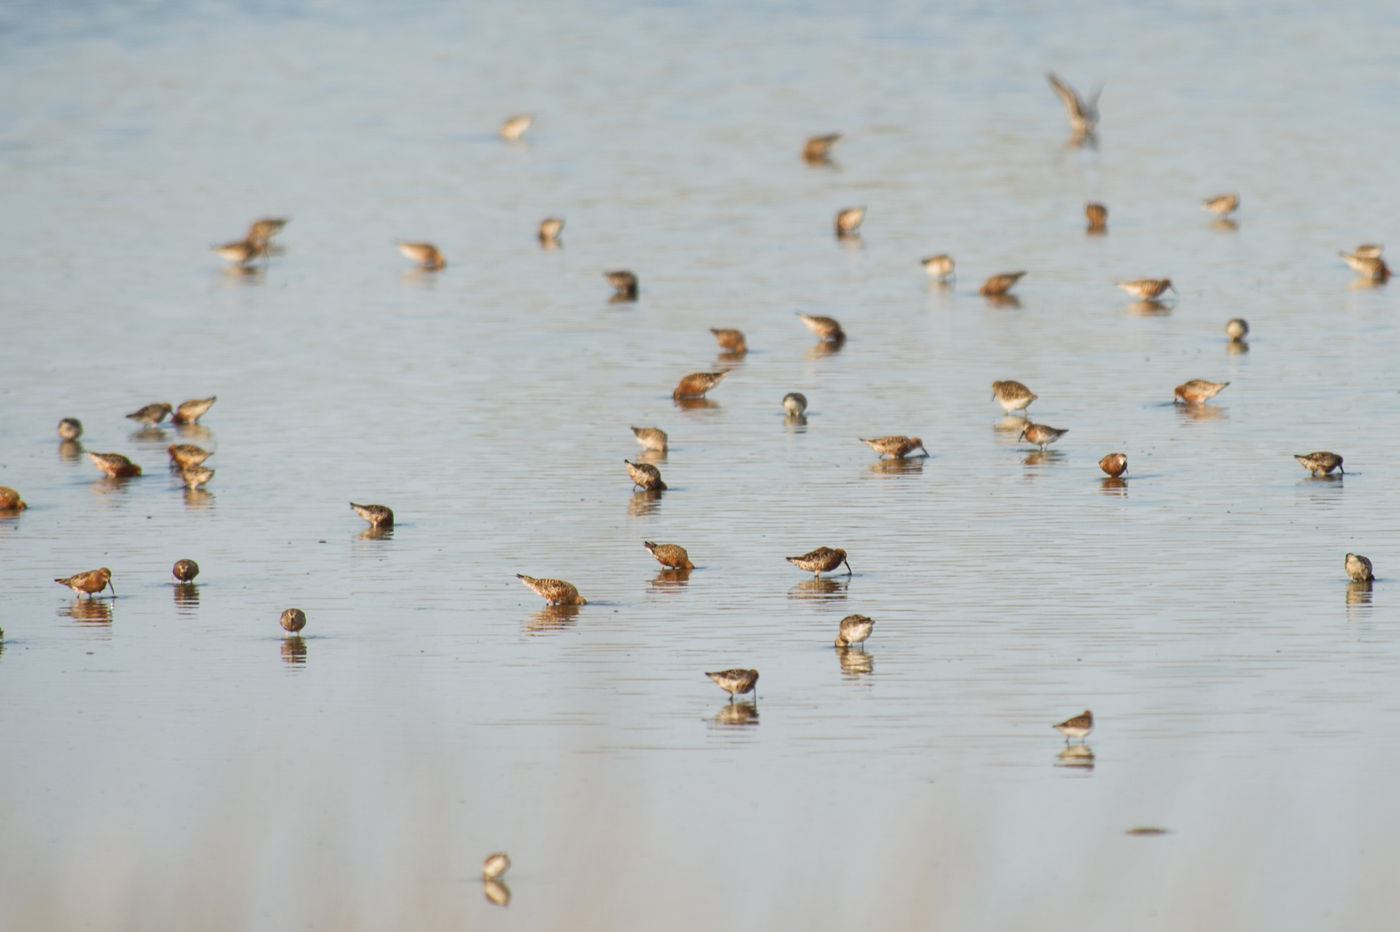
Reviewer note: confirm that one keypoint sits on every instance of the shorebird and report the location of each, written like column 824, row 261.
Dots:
column 292, row 620
column 1083, row 114
column 515, row 126
column 554, row 591
column 185, row 570
column 151, row 414
column 624, row 283
column 854, row 629
column 795, row 404
column 242, row 252
column 1372, row 267
column 998, row 285
column 938, row 268
column 425, row 254
column 731, row 341
column 495, row 865
column 1077, row 727
column 1368, row 250
column 192, row 409
column 550, row 228
column 1320, row 463
column 196, row 476
column 826, row 328
column 645, row 475
column 1097, row 215
column 1146, row 289
column 1236, row 328
column 651, row 438
column 1041, row 434
column 114, row 465
column 1198, row 391
column 1358, row 568
column 848, row 220
column 260, row 231
column 697, row 384
column 671, row 556
column 895, row 445
column 1115, row 464
column 70, row 428
column 735, row 682
column 376, row 515
column 10, row 500
column 1012, row 395
column 184, row 455
column 818, row 148
column 821, row 560
column 1221, row 204
column 91, row 582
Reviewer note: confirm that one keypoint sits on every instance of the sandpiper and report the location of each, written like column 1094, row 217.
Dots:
column 1012, row 395
column 1198, row 391
column 671, row 556
column 184, row 455
column 550, row 228
column 854, row 629
column 1320, row 463
column 624, row 283
column 70, row 428
column 242, row 252
column 645, row 475
column 495, row 865
column 196, row 476
column 1115, row 464
column 1358, row 568
column 895, row 445
column 1083, row 114
column 192, row 409
column 93, row 581
column 260, row 231
column 376, row 515
column 1146, row 289
column 795, row 404
column 292, row 620
column 1097, row 215
column 818, row 148
column 554, row 591
column 1369, row 250
column 697, row 384
column 114, row 465
column 1372, row 267
column 1222, row 204
column 1042, row 435
column 821, row 560
column 651, row 438
column 10, row 500
column 425, row 254
column 515, row 126
column 1077, row 727
column 999, row 285
column 938, row 268
column 848, row 220
column 735, row 682
column 185, row 570
column 151, row 414
column 826, row 328
column 1236, row 328
column 729, row 340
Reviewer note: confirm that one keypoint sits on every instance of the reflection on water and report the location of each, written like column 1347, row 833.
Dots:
column 645, row 502
column 1041, row 457
column 1225, row 225
column 1148, row 308
column 192, row 432
column 905, row 466
column 198, row 498
column 670, row 580
column 1007, row 301
column 186, row 597
column 552, row 618
column 1236, row 347
column 1205, row 412
column 496, row 892
column 88, row 611
column 1114, row 485
column 702, row 403
column 1359, row 593
column 69, row 450
column 737, row 713
column 294, row 650
column 825, row 348
column 154, row 435
column 654, row 457
column 795, row 423
column 376, row 532
column 1012, row 424
column 1076, row 755
column 821, row 588
column 855, row 662
column 106, row 485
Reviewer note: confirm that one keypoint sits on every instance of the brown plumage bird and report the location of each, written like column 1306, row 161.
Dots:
column 826, row 328
column 895, row 445
column 550, row 228
column 151, row 414
column 10, row 500
column 853, row 630
column 1320, row 463
column 184, row 455
column 292, row 620
column 185, row 570
column 729, row 340
column 196, row 476
column 848, row 220
column 645, row 475
column 998, row 285
column 376, row 515
column 241, row 253
column 939, row 267
column 1115, row 464
column 1097, row 215
column 1012, row 395
column 70, row 428
column 624, row 283
column 817, row 149
column 1042, row 435
column 1077, row 727
column 554, row 591
column 1146, row 289
column 515, row 126
column 697, row 384
column 821, row 560
column 1083, row 113
column 1359, row 568
column 735, row 682
column 192, row 410
column 89, row 582
column 1372, row 267
column 1198, row 391
column 426, row 255
column 114, row 465
column 671, row 556
column 495, row 865
column 260, row 231
column 1221, row 204
column 651, row 438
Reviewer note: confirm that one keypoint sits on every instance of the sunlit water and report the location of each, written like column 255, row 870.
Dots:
column 173, row 762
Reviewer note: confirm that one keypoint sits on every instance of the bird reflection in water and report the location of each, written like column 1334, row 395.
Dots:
column 1111, row 485
column 645, row 502
column 670, row 580
column 1041, row 457
column 1202, row 412
column 246, row 274
column 855, row 662
column 1236, row 347
column 377, row 532
column 737, row 713
column 651, row 457
column 186, row 597
column 294, row 650
column 700, row 403
column 1079, row 756
column 795, row 423
column 148, row 435
column 199, row 498
column 552, row 618
column 826, row 348
column 1149, row 309
column 69, row 450
column 193, row 431
column 89, row 611
column 1359, row 592
column 1225, row 224
column 1011, row 424
column 910, row 466
column 1008, row 301
column 821, row 587
column 496, row 892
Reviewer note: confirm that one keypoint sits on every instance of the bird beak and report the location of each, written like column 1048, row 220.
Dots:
column 1172, row 289
column 848, row 567
column 112, row 587
column 1023, row 436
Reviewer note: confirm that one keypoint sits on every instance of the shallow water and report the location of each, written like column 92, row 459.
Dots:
column 174, row 762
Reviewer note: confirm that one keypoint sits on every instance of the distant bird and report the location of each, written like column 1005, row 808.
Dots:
column 376, row 515
column 496, row 892
column 550, row 228
column 697, row 384
column 10, row 500
column 196, row 476
column 114, row 465
column 795, row 404
column 731, row 341
column 1012, row 395
column 1083, row 114
column 1198, row 391
column 1146, row 289
column 1041, row 435
column 1357, row 566
column 292, row 620
column 624, row 283
column 554, row 591
column 426, row 255
column 826, row 328
column 818, row 148
column 998, row 285
column 1236, row 328
column 1115, row 464
column 70, row 428
column 735, row 682
column 853, row 630
column 821, row 560
column 1372, row 267
column 90, row 582
column 651, row 438
column 1097, row 215
column 192, row 410
column 671, row 556
column 1222, row 204
column 1077, row 727
column 185, row 570
column 151, row 414
column 645, row 475
column 895, row 445
column 495, row 865
column 1368, row 250
column 939, row 267
column 184, row 455
column 515, row 126
column 242, row 252
column 1320, row 463
column 265, row 229
column 848, row 220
